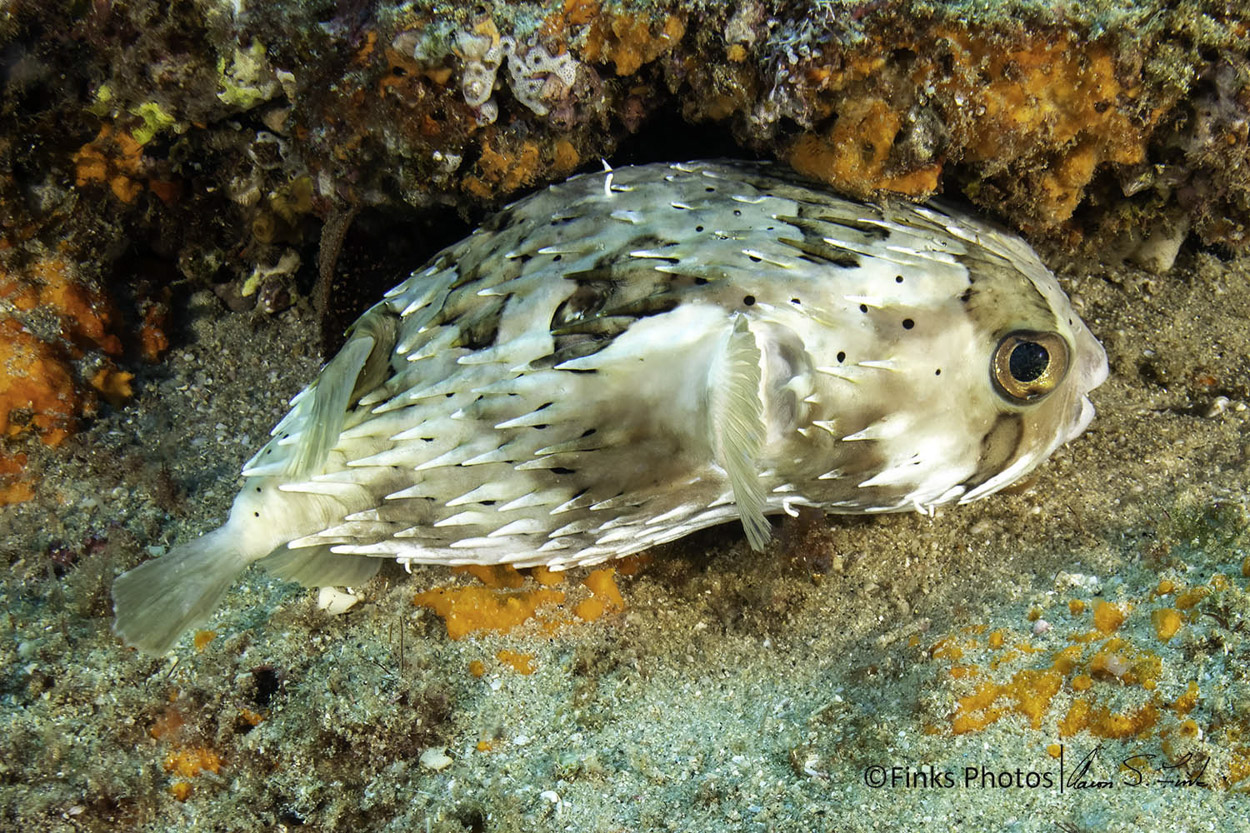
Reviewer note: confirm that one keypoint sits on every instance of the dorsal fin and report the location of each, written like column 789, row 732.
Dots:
column 302, row 440
column 737, row 425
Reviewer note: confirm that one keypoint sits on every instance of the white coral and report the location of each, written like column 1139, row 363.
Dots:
column 539, row 77
column 536, row 76
column 482, row 55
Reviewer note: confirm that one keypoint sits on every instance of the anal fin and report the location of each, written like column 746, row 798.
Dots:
column 319, row 567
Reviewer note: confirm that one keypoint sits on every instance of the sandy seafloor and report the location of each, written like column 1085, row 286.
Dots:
column 738, row 691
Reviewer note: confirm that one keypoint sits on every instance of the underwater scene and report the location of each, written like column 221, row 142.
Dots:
column 624, row 415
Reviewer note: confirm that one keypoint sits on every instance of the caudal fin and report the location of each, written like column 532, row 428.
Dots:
column 156, row 602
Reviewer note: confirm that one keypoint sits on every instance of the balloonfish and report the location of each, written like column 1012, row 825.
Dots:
column 635, row 354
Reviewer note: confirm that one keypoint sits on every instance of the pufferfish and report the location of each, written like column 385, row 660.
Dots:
column 636, row 354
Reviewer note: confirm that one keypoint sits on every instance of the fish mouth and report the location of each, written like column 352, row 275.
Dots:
column 1092, row 370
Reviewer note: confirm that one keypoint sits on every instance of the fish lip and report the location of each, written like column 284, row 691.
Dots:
column 1098, row 369
column 1093, row 371
column 1094, row 368
column 1082, row 421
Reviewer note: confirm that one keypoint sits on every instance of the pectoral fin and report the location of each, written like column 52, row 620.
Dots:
column 737, row 426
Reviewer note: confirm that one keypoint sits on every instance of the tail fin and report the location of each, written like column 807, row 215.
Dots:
column 156, row 602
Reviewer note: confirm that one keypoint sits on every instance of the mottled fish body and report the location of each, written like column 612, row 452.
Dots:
column 633, row 355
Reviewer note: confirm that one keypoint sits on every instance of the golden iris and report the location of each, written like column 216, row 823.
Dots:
column 1028, row 365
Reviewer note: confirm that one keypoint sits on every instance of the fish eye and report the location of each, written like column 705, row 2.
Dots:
column 1028, row 365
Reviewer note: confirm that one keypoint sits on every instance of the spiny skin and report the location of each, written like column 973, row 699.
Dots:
column 633, row 355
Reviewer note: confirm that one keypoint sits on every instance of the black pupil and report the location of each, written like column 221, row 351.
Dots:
column 1028, row 361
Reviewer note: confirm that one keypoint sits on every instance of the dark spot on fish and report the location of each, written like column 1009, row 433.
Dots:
column 863, row 308
column 255, row 514
column 841, row 356
column 588, row 432
column 898, row 278
column 937, row 372
column 753, row 258
column 556, row 258
column 795, row 301
column 488, row 502
column 749, row 300
column 908, row 323
column 700, row 281
column 562, row 470
column 539, row 427
column 698, row 228
column 737, row 212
